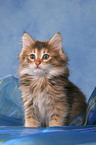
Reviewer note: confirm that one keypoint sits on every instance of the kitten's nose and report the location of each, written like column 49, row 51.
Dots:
column 37, row 62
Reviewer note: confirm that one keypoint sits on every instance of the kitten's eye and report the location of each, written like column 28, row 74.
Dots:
column 32, row 56
column 45, row 56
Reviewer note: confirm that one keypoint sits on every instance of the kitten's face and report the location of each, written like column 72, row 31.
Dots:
column 37, row 60
column 42, row 58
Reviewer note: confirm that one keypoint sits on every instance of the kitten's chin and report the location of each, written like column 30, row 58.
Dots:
column 38, row 71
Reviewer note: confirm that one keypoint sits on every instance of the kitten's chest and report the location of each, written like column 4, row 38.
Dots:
column 39, row 101
column 40, row 95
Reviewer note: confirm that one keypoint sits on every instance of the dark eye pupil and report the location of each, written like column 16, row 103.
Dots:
column 45, row 56
column 32, row 56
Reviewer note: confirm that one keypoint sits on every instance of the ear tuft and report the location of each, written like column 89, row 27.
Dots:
column 27, row 40
column 56, row 42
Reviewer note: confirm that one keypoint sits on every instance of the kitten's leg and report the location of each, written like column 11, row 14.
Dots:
column 30, row 120
column 30, row 111
column 59, row 114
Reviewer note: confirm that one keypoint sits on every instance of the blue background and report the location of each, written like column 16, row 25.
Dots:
column 74, row 19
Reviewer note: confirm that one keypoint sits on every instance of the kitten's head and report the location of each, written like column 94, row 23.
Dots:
column 43, row 58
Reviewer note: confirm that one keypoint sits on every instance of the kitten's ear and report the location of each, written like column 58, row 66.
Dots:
column 56, row 42
column 27, row 40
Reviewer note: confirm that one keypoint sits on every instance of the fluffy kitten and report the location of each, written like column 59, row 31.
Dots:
column 50, row 99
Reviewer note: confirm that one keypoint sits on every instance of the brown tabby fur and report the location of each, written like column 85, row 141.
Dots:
column 50, row 99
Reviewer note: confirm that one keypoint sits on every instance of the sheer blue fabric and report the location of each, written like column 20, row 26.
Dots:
column 81, row 130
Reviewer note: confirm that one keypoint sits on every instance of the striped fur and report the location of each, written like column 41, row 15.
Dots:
column 50, row 99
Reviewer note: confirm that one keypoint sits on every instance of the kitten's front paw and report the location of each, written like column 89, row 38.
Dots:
column 54, row 123
column 30, row 123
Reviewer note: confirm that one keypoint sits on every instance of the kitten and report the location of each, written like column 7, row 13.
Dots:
column 50, row 99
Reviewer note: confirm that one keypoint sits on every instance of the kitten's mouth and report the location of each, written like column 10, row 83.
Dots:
column 37, row 67
column 38, row 71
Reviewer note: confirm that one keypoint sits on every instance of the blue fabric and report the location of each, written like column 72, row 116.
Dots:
column 50, row 136
column 11, row 107
column 91, row 109
column 88, row 117
column 58, row 136
column 12, row 121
